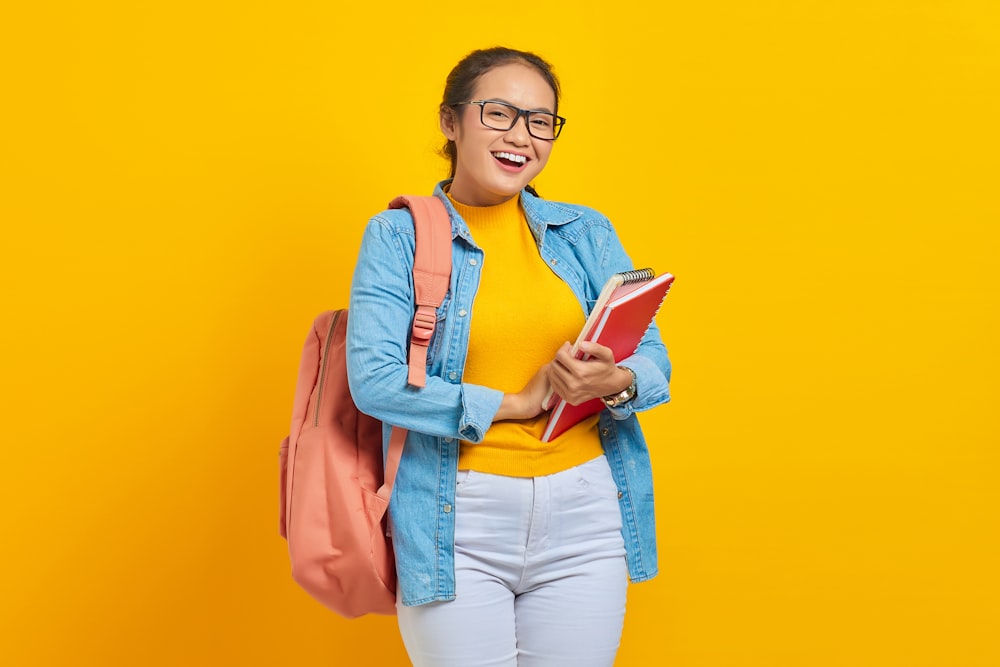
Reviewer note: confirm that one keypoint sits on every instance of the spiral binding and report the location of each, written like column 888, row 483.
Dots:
column 637, row 276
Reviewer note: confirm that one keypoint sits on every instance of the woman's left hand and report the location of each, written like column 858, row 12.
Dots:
column 579, row 380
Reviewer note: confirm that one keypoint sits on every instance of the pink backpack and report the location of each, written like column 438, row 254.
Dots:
column 334, row 494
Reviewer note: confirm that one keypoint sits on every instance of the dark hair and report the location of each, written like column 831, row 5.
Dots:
column 462, row 80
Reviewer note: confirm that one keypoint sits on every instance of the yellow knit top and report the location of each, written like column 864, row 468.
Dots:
column 522, row 313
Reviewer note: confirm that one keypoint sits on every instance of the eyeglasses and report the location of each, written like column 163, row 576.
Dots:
column 503, row 116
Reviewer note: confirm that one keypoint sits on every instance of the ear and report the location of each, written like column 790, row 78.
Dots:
column 448, row 119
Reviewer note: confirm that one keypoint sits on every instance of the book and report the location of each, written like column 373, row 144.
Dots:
column 623, row 312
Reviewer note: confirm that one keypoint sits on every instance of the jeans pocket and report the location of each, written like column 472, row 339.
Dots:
column 462, row 479
column 596, row 477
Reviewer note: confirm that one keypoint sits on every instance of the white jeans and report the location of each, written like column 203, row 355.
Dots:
column 540, row 575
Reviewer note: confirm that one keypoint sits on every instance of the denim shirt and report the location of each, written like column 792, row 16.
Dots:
column 581, row 247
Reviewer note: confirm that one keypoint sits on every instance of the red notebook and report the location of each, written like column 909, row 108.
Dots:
column 623, row 312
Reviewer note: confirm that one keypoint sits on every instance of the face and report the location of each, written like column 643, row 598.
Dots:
column 485, row 174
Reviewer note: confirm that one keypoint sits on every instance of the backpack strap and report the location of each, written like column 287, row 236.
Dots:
column 431, row 274
column 431, row 278
column 397, row 438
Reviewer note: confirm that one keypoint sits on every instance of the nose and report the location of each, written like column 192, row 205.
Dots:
column 519, row 134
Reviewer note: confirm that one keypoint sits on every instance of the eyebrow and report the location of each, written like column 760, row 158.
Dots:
column 500, row 99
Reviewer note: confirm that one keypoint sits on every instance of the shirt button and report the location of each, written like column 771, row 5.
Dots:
column 553, row 261
column 473, row 261
column 463, row 312
column 447, row 508
column 605, row 432
column 619, row 495
column 452, row 375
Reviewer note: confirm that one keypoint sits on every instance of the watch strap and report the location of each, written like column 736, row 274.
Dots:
column 625, row 395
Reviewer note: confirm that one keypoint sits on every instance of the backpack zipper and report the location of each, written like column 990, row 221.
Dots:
column 326, row 360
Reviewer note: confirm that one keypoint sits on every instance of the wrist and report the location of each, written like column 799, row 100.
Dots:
column 625, row 378
column 511, row 407
column 626, row 395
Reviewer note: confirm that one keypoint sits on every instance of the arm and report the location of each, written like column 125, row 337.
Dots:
column 527, row 403
column 650, row 362
column 379, row 322
column 578, row 381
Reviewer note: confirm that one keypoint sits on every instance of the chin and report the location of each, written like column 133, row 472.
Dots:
column 504, row 189
column 513, row 187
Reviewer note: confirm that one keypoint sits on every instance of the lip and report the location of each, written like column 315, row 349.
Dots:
column 510, row 168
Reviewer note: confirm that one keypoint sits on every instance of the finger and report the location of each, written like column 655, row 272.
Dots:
column 553, row 377
column 596, row 350
column 564, row 353
column 561, row 364
column 557, row 379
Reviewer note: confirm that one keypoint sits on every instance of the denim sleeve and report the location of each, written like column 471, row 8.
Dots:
column 378, row 330
column 650, row 361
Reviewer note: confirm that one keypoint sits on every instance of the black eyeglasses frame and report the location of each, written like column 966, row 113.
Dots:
column 557, row 126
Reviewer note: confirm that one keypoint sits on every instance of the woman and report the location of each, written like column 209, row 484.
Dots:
column 509, row 551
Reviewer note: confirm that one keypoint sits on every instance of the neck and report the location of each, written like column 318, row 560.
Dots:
column 477, row 198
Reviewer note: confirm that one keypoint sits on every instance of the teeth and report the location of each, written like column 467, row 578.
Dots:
column 520, row 159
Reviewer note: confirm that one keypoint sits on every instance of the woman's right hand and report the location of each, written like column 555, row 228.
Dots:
column 526, row 403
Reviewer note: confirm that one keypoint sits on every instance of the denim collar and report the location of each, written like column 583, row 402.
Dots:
column 539, row 212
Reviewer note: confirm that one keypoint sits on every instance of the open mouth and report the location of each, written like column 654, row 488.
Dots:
column 510, row 160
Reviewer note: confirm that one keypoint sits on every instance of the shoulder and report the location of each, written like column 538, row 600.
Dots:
column 393, row 221
column 572, row 221
column 391, row 227
column 399, row 220
column 562, row 213
column 389, row 236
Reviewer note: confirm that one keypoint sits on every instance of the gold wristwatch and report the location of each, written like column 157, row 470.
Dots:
column 625, row 395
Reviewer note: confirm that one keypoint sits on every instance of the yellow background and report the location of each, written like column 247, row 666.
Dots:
column 183, row 186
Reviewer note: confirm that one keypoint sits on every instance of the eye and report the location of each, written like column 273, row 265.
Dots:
column 542, row 120
column 498, row 111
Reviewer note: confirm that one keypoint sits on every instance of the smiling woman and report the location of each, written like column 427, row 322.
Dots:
column 499, row 136
column 509, row 551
